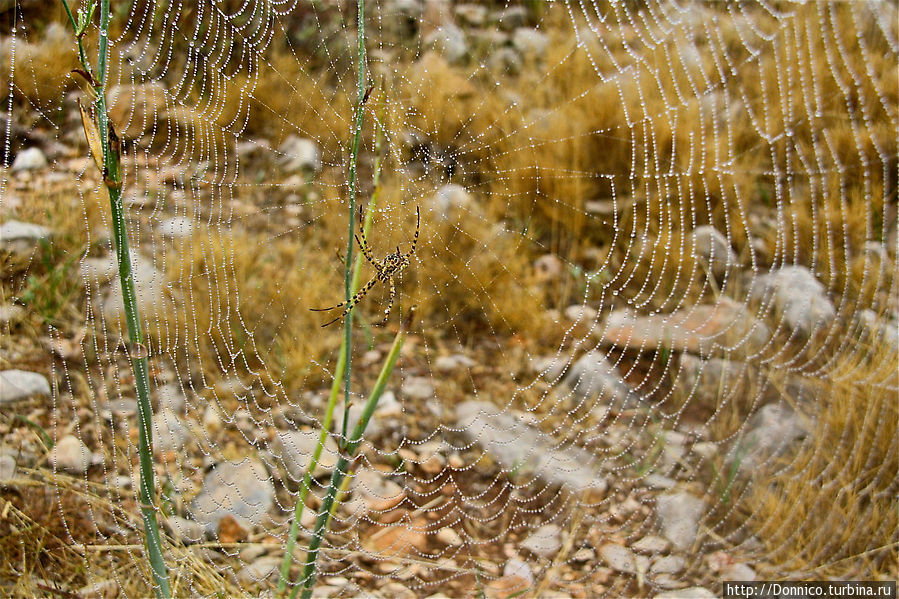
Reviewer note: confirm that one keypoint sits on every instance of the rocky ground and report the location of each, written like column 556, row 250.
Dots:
column 614, row 462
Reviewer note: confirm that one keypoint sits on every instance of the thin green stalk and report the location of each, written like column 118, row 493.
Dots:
column 354, row 162
column 347, row 456
column 112, row 178
column 339, row 370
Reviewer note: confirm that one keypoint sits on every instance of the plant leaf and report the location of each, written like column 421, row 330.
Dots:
column 92, row 133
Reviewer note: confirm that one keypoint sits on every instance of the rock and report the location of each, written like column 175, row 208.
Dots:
column 71, row 455
column 713, row 250
column 149, row 286
column 29, row 160
column 551, row 367
column 512, row 18
column 579, row 313
column 738, row 572
column 708, row 380
column 657, row 481
column 516, row 567
column 299, row 154
column 242, row 490
column 690, row 593
column 135, row 108
column 772, row 432
column 184, row 530
column 529, row 451
column 170, row 396
column 16, row 385
column 451, row 203
column 651, row 544
column 266, row 568
column 449, row 536
column 212, row 420
column 294, row 449
column 668, row 564
column 584, row 554
column 99, row 270
column 879, row 328
column 472, row 14
column 22, row 238
column 679, row 515
column 252, row 148
column 453, row 363
column 377, row 492
column 797, row 296
column 169, row 433
column 619, row 558
column 7, row 467
column 548, row 267
column 417, row 387
column 545, row 541
column 118, row 408
column 505, row 60
column 104, row 589
column 530, row 41
column 593, row 376
column 449, row 42
column 11, row 314
column 506, row 587
column 400, row 539
column 177, row 227
column 696, row 330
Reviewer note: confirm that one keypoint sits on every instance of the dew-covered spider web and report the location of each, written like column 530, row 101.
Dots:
column 651, row 313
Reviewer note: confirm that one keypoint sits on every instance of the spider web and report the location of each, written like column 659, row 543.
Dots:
column 652, row 310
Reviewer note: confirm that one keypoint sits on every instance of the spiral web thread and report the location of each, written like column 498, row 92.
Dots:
column 655, row 326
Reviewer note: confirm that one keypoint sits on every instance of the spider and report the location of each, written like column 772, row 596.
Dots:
column 388, row 269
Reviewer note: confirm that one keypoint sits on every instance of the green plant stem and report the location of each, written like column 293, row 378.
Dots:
column 112, row 178
column 354, row 163
column 347, row 456
column 81, row 55
column 339, row 370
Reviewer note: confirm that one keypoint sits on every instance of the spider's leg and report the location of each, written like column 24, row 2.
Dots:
column 389, row 303
column 415, row 237
column 367, row 252
column 353, row 300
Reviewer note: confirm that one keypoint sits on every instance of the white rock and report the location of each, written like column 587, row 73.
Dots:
column 7, row 467
column 516, row 567
column 530, row 41
column 679, row 515
column 177, row 227
column 11, row 313
column 294, row 449
column 212, row 420
column 449, row 536
column 584, row 554
column 618, row 557
column 585, row 315
column 548, row 267
column 651, row 544
column 594, row 376
column 798, row 296
column 551, row 367
column 668, row 564
column 104, row 589
column 472, row 14
column 545, row 541
column 184, row 530
column 242, row 490
column 71, row 455
column 171, row 397
column 170, row 433
column 713, row 249
column 16, row 385
column 739, row 572
column 453, row 362
column 377, row 492
column 772, row 432
column 417, row 387
column 451, row 202
column 29, row 160
column 22, row 238
column 149, row 286
column 520, row 446
column 99, row 270
column 265, row 568
column 300, row 154
column 512, row 17
column 449, row 41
